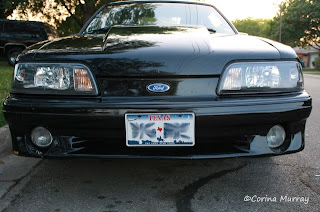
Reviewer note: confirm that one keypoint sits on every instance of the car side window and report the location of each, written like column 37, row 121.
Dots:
column 24, row 30
column 33, row 31
column 11, row 27
column 1, row 27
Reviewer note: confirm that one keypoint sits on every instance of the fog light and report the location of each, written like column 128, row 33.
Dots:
column 276, row 136
column 41, row 137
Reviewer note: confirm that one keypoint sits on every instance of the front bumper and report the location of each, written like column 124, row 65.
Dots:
column 229, row 127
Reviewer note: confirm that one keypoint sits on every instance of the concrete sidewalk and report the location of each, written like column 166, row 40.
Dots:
column 5, row 140
column 15, row 172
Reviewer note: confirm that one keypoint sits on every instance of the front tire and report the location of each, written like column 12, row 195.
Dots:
column 12, row 55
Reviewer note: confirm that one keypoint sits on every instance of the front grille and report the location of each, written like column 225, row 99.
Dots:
column 137, row 87
column 88, row 147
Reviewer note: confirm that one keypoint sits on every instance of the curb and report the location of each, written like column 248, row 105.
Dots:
column 5, row 139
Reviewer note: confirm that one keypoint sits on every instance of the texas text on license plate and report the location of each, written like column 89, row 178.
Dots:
column 160, row 129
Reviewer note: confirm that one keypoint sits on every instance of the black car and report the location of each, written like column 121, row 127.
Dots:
column 15, row 36
column 157, row 79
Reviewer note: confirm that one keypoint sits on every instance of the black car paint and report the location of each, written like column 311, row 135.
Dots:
column 165, row 51
column 225, row 126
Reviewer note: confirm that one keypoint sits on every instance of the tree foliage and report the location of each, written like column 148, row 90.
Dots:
column 67, row 15
column 301, row 22
column 301, row 18
column 7, row 7
column 317, row 63
column 257, row 27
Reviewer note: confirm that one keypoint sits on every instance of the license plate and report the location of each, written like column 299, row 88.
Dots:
column 160, row 129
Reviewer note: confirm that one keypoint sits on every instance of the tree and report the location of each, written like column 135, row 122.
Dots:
column 316, row 63
column 7, row 7
column 301, row 23
column 131, row 13
column 67, row 15
column 257, row 27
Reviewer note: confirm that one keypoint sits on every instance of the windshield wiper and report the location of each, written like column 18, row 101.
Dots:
column 212, row 30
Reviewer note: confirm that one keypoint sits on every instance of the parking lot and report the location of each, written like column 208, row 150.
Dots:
column 289, row 182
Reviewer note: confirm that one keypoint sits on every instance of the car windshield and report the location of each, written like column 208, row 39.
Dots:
column 159, row 14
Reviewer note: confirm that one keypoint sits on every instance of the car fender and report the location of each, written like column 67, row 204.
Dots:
column 15, row 45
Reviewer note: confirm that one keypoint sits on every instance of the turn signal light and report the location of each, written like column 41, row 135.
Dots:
column 82, row 80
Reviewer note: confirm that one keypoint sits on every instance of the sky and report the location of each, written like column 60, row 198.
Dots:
column 241, row 9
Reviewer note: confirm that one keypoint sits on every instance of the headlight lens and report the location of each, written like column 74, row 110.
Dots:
column 261, row 77
column 63, row 79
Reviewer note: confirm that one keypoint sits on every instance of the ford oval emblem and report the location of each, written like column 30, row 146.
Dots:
column 158, row 87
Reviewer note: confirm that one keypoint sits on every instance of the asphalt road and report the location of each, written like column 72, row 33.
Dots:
column 286, row 183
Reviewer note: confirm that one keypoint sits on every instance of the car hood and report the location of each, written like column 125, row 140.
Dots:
column 154, row 50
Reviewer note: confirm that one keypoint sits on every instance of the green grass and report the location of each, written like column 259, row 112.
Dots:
column 6, row 73
column 310, row 69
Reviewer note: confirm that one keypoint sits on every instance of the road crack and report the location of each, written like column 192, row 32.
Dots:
column 184, row 197
column 305, row 178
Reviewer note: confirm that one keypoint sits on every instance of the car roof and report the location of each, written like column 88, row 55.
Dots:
column 20, row 21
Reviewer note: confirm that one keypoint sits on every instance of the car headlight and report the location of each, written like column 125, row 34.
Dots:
column 51, row 78
column 261, row 77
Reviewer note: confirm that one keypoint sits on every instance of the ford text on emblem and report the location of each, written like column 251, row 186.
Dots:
column 158, row 87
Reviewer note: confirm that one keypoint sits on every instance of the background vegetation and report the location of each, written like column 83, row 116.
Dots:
column 6, row 73
column 258, row 27
column 68, row 16
column 300, row 24
column 317, row 63
column 300, row 18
